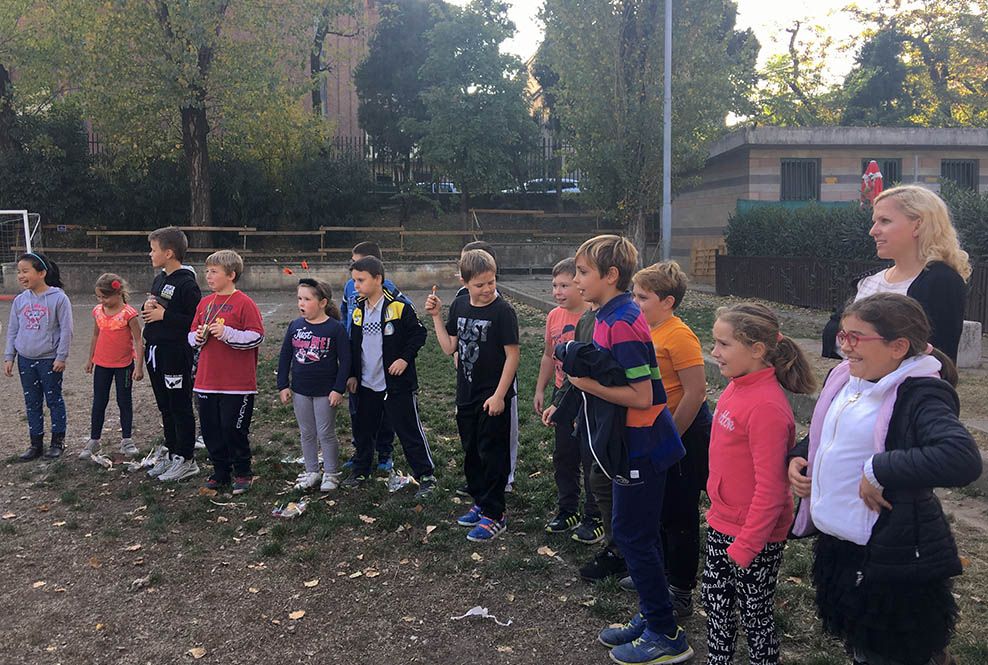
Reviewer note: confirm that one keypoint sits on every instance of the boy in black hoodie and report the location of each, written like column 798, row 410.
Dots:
column 385, row 337
column 167, row 315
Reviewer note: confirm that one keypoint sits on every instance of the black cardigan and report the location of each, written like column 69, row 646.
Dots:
column 943, row 296
column 926, row 447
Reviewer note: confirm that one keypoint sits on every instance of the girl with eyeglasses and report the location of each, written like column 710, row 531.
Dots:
column 884, row 434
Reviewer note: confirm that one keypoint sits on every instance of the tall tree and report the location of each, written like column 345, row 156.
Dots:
column 328, row 13
column 476, row 104
column 163, row 77
column 389, row 86
column 877, row 88
column 608, row 54
column 793, row 90
column 947, row 42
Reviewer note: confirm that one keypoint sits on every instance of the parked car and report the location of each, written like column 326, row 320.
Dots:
column 438, row 187
column 548, row 186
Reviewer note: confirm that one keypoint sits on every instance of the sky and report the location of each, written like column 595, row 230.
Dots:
column 768, row 19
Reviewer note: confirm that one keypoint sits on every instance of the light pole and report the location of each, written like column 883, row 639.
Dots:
column 667, row 139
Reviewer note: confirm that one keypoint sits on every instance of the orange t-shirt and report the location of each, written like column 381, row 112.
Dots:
column 560, row 326
column 676, row 348
column 115, row 344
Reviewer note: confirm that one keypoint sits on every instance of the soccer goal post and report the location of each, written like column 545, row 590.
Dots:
column 19, row 231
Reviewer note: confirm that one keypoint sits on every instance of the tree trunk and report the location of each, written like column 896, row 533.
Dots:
column 7, row 116
column 315, row 67
column 636, row 231
column 194, row 130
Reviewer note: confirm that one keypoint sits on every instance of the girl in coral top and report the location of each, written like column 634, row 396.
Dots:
column 116, row 342
column 750, row 503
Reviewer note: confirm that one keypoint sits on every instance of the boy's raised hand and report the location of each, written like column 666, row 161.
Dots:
column 286, row 395
column 494, row 405
column 433, row 306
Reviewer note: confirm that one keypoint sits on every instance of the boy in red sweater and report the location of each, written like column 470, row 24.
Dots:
column 227, row 328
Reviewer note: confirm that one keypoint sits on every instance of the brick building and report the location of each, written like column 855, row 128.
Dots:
column 823, row 164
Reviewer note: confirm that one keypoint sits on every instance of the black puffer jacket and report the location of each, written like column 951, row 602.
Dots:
column 926, row 447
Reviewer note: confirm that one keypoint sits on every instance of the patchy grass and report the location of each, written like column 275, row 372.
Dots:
column 397, row 573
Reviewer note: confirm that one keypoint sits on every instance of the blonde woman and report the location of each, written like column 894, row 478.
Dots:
column 911, row 227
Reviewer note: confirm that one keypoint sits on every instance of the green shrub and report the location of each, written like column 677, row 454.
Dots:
column 841, row 232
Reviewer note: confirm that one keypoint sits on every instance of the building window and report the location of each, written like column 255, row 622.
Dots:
column 964, row 172
column 800, row 180
column 891, row 169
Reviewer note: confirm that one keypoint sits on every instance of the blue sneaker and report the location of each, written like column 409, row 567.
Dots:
column 472, row 518
column 612, row 637
column 348, row 464
column 385, row 466
column 486, row 529
column 653, row 648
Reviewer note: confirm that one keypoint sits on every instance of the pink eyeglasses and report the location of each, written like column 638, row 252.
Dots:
column 852, row 339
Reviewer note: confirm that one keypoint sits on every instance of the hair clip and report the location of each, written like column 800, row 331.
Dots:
column 115, row 284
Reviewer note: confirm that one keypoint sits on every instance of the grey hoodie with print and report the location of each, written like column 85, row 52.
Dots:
column 40, row 325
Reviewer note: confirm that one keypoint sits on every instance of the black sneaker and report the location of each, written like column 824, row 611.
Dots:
column 463, row 491
column 590, row 531
column 427, row 485
column 564, row 522
column 605, row 564
column 682, row 601
column 627, row 584
column 353, row 482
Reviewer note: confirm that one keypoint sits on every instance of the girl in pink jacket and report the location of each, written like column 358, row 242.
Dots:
column 750, row 502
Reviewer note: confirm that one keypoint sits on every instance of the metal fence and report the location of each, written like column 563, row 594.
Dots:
column 819, row 283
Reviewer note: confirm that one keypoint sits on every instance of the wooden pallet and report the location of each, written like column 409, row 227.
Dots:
column 703, row 260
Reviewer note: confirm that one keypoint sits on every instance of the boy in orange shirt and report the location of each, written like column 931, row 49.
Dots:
column 560, row 326
column 658, row 291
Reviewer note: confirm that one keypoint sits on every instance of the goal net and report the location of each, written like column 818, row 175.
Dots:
column 20, row 231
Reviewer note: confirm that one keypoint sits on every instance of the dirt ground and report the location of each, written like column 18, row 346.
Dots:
column 108, row 567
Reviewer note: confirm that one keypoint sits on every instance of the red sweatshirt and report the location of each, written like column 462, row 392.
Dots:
column 748, row 486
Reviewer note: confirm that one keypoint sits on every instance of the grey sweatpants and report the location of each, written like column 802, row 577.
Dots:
column 317, row 423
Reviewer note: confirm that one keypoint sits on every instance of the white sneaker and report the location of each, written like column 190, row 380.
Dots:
column 163, row 464
column 91, row 448
column 181, row 468
column 128, row 448
column 200, row 444
column 307, row 481
column 330, row 482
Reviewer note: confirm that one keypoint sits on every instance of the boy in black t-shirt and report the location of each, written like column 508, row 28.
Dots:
column 483, row 330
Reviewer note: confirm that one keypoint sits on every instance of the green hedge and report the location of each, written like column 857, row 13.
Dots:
column 842, row 232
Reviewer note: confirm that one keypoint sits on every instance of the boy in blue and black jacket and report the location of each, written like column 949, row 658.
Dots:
column 385, row 337
column 384, row 441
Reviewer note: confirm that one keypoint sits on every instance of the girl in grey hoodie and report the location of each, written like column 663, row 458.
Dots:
column 39, row 336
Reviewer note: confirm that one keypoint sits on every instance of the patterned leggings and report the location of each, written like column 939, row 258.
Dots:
column 724, row 582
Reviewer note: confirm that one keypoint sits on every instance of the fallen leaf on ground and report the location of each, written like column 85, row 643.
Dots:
column 252, row 589
column 408, row 619
column 205, row 491
column 132, row 548
column 58, row 524
column 310, row 583
column 296, row 615
column 95, row 563
column 44, row 509
column 9, row 516
column 510, row 597
column 367, row 520
column 370, row 572
column 456, row 499
column 137, row 562
column 562, row 599
column 429, row 529
column 965, row 561
column 263, row 531
column 589, row 603
column 795, row 580
column 476, row 557
column 535, row 475
column 99, row 626
column 546, row 551
column 222, row 519
column 197, row 652
column 505, row 649
column 355, row 575
column 39, row 584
